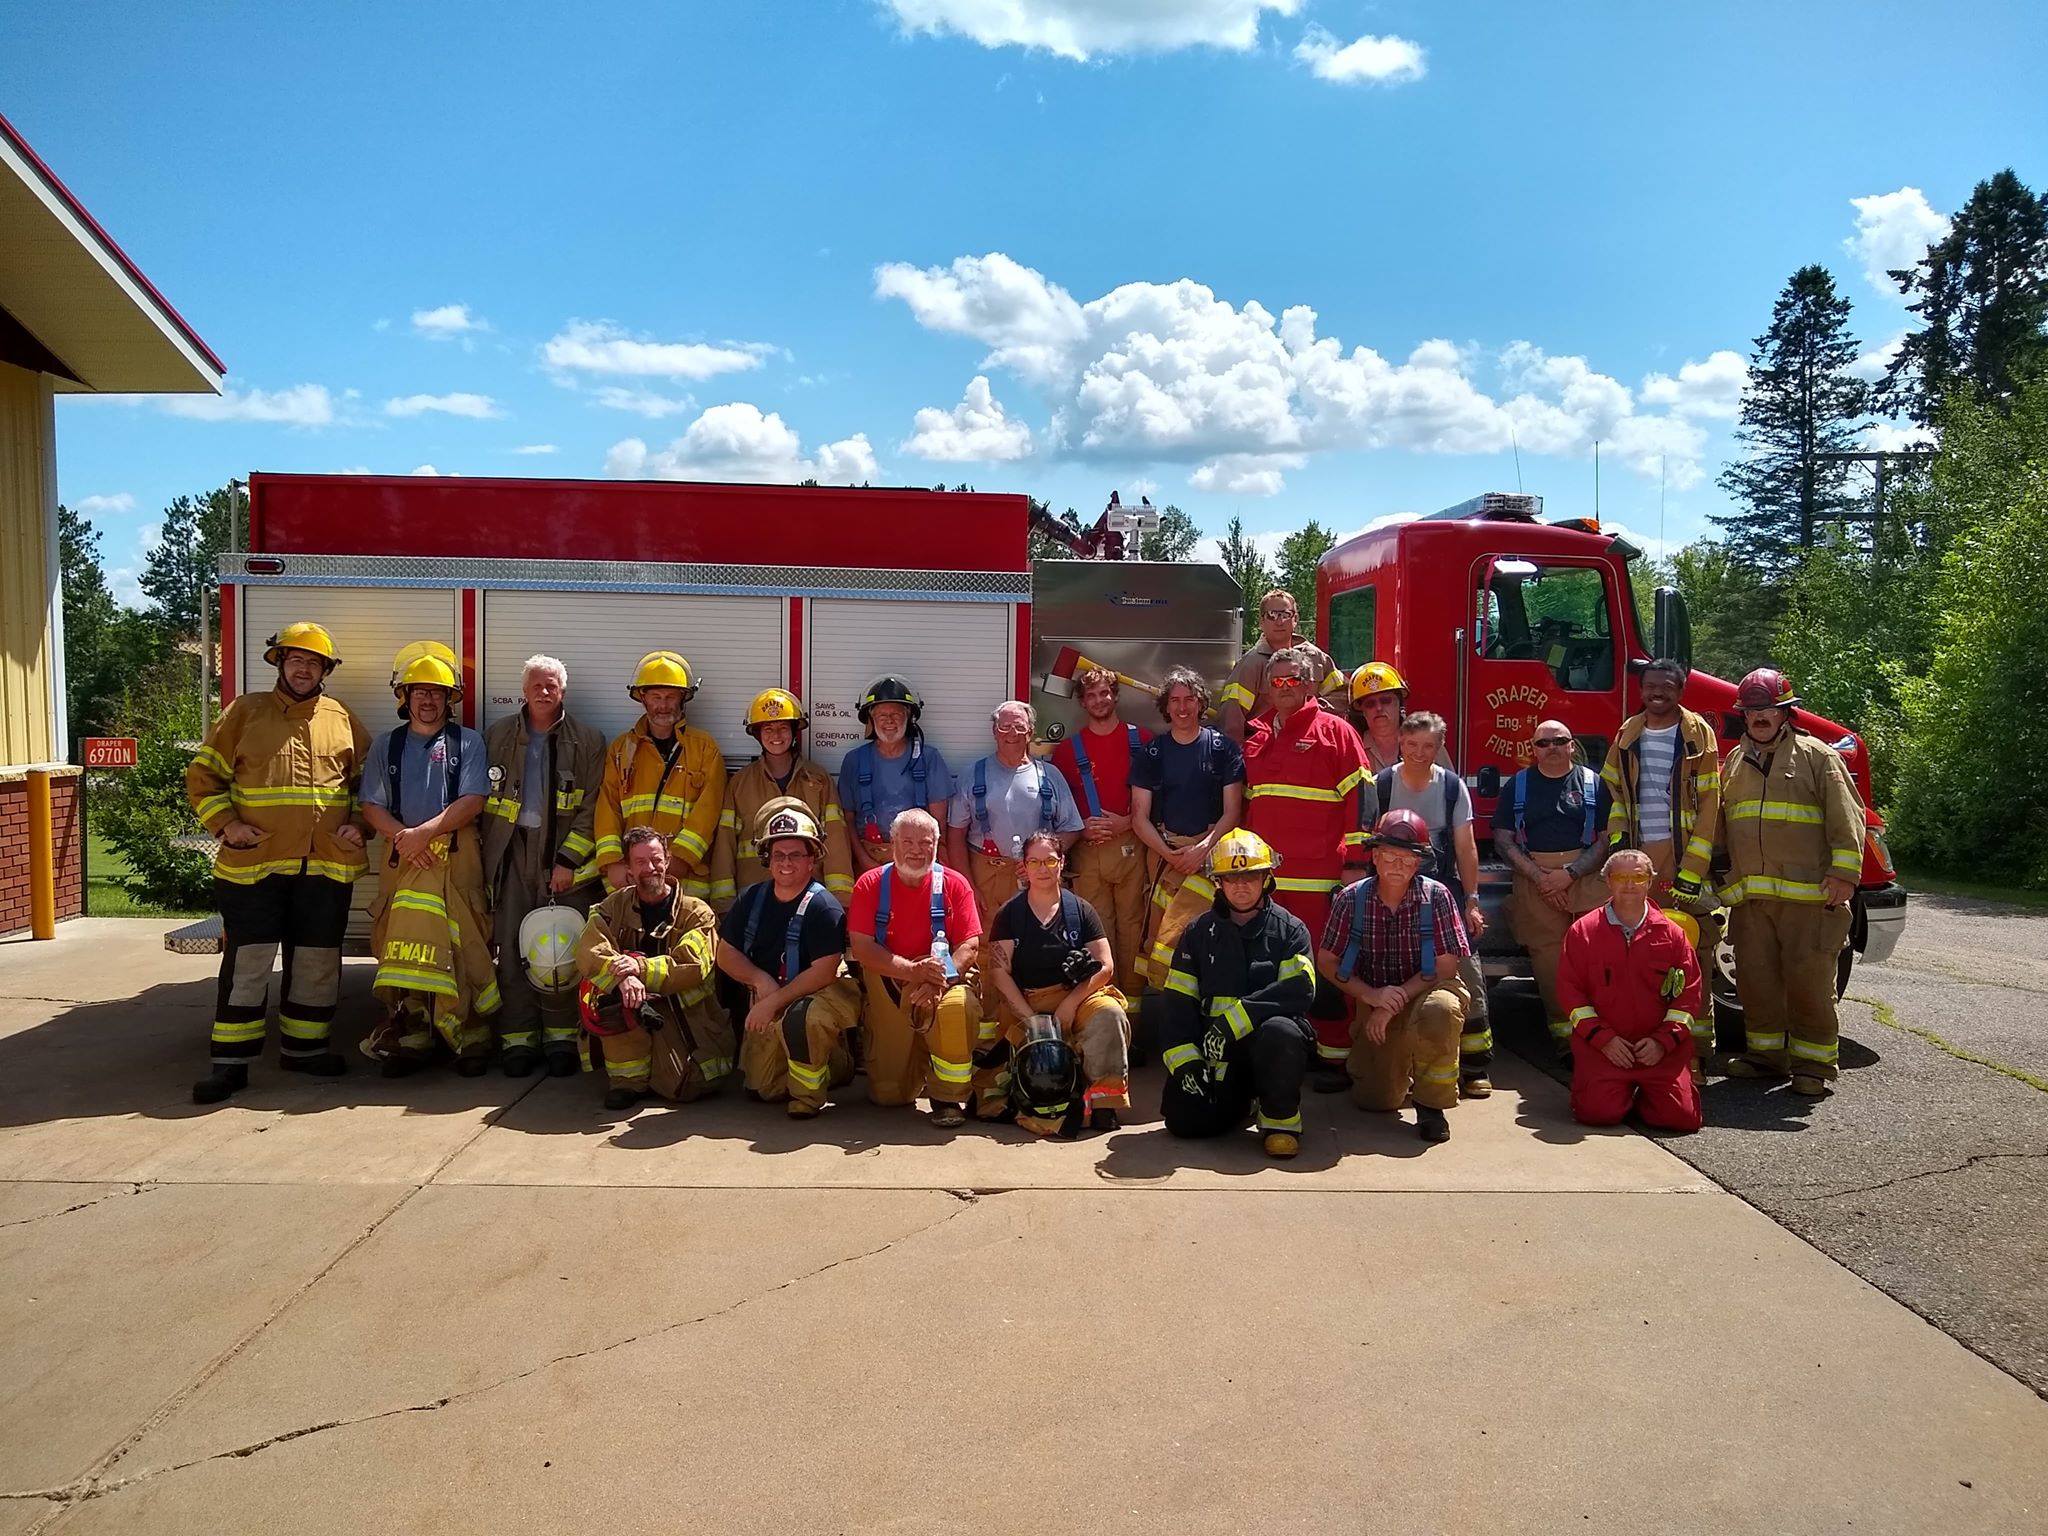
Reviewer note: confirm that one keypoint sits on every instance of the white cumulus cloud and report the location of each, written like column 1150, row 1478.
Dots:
column 1372, row 60
column 530, row 449
column 642, row 402
column 475, row 407
column 423, row 469
column 447, row 322
column 1082, row 29
column 977, row 430
column 1170, row 372
column 1870, row 366
column 95, row 506
column 739, row 441
column 598, row 346
column 299, row 405
column 1712, row 387
column 1893, row 229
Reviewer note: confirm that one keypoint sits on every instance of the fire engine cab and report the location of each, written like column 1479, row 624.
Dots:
column 1497, row 620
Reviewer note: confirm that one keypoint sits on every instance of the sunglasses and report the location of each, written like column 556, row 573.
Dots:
column 1553, row 741
column 1628, row 881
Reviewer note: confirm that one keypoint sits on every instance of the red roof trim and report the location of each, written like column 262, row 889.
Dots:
column 107, row 241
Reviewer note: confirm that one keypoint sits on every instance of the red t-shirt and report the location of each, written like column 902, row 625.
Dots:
column 1110, row 757
column 910, row 911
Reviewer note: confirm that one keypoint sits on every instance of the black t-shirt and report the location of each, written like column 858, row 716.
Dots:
column 1187, row 782
column 655, row 914
column 1041, row 949
column 824, row 930
column 1555, row 814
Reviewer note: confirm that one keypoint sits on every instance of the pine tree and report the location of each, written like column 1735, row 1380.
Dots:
column 1981, row 292
column 1250, row 569
column 1296, row 569
column 196, row 531
column 1800, row 403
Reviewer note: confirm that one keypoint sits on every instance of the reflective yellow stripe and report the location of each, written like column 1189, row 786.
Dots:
column 1179, row 1056
column 407, row 979
column 207, row 757
column 1815, row 1050
column 299, row 1029
column 1445, row 1074
column 1476, row 1042
column 1231, row 1011
column 609, row 850
column 1775, row 810
column 690, row 842
column 1699, row 848
column 813, row 1078
column 212, row 806
column 1356, row 839
column 839, row 885
column 290, row 794
column 722, row 890
column 1237, row 693
column 503, row 807
column 1283, row 883
column 488, row 1000
column 955, row 1073
column 1333, row 1052
column 832, row 813
column 1771, row 888
column 1580, row 1015
column 627, row 1066
column 1350, row 781
column 249, row 874
column 1678, row 1016
column 1294, row 965
column 1181, row 982
column 729, row 818
column 714, row 1067
column 576, row 845
column 1849, row 859
column 636, row 805
column 228, row 1032
column 657, row 972
column 568, row 799
column 1335, row 679
column 1774, row 1041
column 1275, row 1123
column 1294, row 792
column 420, row 901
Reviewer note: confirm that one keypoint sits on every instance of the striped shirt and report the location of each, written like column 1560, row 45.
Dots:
column 1658, row 751
column 1390, row 949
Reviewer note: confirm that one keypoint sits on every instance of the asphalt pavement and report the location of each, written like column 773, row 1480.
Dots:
column 1923, row 1172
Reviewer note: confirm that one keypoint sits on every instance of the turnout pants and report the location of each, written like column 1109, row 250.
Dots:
column 1100, row 1036
column 920, row 1044
column 1540, row 929
column 1330, row 1013
column 1259, row 1075
column 1176, row 901
column 1664, row 859
column 809, row 1048
column 529, row 1020
column 434, row 970
column 680, row 1049
column 1785, row 958
column 1419, row 1057
column 305, row 916
column 1664, row 1095
column 1114, row 878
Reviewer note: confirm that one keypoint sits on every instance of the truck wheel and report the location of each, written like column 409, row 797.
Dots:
column 1728, row 1033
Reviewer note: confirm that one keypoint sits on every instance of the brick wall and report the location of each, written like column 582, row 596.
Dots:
column 70, row 835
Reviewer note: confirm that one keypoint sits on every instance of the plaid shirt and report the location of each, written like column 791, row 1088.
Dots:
column 1390, row 949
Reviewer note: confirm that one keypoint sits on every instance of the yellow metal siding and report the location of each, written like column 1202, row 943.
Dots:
column 25, row 661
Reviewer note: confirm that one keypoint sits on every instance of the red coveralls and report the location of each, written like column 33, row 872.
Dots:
column 1302, row 783
column 1632, row 987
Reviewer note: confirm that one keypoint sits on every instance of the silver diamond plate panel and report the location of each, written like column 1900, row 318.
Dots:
column 613, row 576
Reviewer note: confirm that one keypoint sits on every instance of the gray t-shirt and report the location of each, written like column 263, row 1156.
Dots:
column 534, row 787
column 1015, row 806
column 1428, row 803
column 423, row 789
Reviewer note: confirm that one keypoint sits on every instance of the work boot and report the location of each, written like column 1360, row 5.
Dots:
column 1282, row 1144
column 1104, row 1120
column 399, row 1066
column 1329, row 1077
column 326, row 1064
column 623, row 1098
column 1432, row 1124
column 948, row 1116
column 219, row 1083
column 1810, row 1087
column 519, row 1060
column 562, row 1063
column 1475, row 1087
column 470, row 1066
column 798, row 1110
column 1743, row 1066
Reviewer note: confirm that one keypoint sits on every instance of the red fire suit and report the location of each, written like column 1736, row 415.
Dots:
column 1302, row 783
column 1634, row 987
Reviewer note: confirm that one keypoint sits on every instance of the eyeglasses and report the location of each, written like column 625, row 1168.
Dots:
column 790, row 855
column 1053, row 861
column 1628, row 882
column 1553, row 741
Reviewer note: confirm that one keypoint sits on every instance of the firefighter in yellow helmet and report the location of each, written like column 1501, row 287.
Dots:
column 1379, row 697
column 1235, row 1035
column 424, row 785
column 539, row 846
column 275, row 782
column 1794, row 828
column 664, row 774
column 781, row 949
column 776, row 719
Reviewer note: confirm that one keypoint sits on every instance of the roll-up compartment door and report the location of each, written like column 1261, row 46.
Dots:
column 960, row 657
column 369, row 625
column 735, row 645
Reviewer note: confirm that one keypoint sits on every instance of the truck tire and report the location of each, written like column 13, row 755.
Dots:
column 1728, row 1035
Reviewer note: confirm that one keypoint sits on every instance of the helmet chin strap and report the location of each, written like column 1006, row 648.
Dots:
column 285, row 683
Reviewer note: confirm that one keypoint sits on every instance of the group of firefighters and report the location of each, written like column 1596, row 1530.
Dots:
column 1285, row 899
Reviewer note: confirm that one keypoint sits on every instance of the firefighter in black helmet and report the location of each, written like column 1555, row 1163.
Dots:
column 894, row 770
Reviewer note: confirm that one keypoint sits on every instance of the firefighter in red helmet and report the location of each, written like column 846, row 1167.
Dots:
column 1793, row 826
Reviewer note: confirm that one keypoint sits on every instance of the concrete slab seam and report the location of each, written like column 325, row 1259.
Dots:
column 92, row 1486
column 86, row 1486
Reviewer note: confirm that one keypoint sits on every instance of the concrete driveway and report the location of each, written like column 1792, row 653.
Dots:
column 488, row 1306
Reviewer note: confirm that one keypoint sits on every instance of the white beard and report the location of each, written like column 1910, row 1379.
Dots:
column 914, row 874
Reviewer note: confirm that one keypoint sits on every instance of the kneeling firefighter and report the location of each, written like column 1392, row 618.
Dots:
column 1235, row 1031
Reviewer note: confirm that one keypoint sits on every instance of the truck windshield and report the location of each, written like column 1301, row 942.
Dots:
column 1555, row 614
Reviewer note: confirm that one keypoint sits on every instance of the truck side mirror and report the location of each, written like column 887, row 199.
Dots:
column 1671, row 628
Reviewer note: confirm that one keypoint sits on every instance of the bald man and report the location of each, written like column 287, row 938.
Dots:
column 1550, row 826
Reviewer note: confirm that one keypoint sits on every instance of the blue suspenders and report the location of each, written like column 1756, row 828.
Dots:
column 792, row 936
column 1347, row 965
column 1080, row 741
column 1588, row 787
column 865, row 756
column 1047, row 815
column 940, row 946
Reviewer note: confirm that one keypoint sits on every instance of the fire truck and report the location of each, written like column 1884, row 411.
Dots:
column 1496, row 619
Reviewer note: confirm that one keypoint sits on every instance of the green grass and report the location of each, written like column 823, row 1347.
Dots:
column 1944, row 885
column 106, row 888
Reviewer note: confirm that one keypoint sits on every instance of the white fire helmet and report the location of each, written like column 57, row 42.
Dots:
column 547, row 947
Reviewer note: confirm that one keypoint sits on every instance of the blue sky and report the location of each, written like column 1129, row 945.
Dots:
column 1277, row 258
